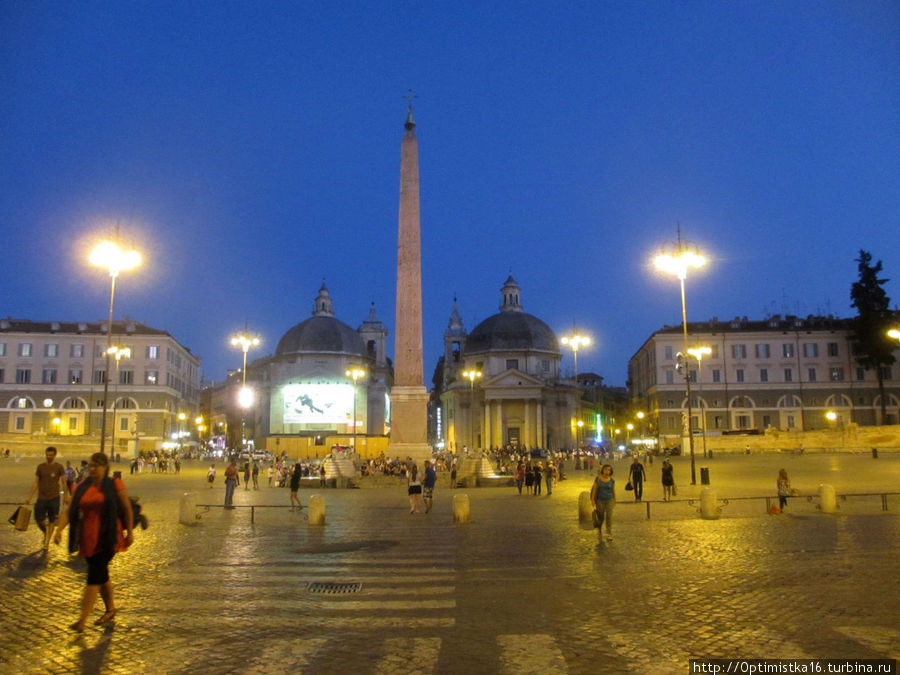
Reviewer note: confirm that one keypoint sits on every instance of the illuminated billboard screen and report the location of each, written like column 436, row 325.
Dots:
column 318, row 404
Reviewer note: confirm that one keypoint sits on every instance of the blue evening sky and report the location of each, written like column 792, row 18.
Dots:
column 251, row 149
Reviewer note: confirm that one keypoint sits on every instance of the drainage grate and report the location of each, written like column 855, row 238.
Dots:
column 329, row 588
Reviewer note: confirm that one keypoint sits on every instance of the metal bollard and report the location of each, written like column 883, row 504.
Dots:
column 187, row 508
column 827, row 499
column 585, row 508
column 461, row 512
column 316, row 506
column 709, row 504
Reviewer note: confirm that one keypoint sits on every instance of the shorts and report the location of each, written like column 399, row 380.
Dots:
column 98, row 569
column 428, row 492
column 415, row 489
column 46, row 509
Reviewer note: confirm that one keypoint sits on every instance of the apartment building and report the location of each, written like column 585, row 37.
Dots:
column 52, row 377
column 781, row 372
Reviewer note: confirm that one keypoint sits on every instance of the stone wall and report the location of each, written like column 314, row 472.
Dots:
column 851, row 438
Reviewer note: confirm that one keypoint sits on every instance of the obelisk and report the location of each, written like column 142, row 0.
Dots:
column 409, row 399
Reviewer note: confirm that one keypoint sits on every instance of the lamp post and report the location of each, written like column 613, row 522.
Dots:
column 181, row 418
column 471, row 376
column 112, row 257
column 118, row 353
column 698, row 353
column 677, row 261
column 245, row 396
column 833, row 416
column 573, row 342
column 355, row 374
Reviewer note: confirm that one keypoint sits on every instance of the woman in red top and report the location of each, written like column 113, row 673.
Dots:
column 99, row 511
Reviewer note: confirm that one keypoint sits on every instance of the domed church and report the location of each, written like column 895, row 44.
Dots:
column 501, row 383
column 305, row 396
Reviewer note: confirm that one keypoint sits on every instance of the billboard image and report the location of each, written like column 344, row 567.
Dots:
column 317, row 404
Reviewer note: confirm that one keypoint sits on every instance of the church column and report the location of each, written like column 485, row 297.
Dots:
column 540, row 424
column 498, row 426
column 485, row 424
column 526, row 426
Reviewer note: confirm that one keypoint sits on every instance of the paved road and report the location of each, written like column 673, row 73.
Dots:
column 520, row 589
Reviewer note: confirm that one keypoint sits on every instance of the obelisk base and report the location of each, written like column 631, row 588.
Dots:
column 409, row 424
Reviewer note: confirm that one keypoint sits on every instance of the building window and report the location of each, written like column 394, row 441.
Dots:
column 860, row 373
column 73, row 423
column 75, row 375
column 152, row 351
column 23, row 376
column 668, row 352
column 787, row 350
column 810, row 350
column 123, row 424
column 48, row 376
column 886, row 373
column 76, row 351
column 763, row 375
column 811, row 375
column 99, row 351
column 512, row 364
column 2, row 378
column 20, row 423
column 671, row 422
column 767, row 421
column 836, row 374
column 670, row 377
column 99, row 376
column 151, row 377
column 51, row 351
column 743, row 421
column 716, row 375
column 739, row 351
column 545, row 365
column 717, row 422
column 788, row 375
column 739, row 375
column 24, row 349
column 2, row 349
column 714, row 354
column 126, row 377
column 791, row 423
column 762, row 351
column 833, row 349
column 693, row 377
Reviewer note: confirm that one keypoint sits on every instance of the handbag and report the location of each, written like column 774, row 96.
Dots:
column 21, row 518
column 629, row 486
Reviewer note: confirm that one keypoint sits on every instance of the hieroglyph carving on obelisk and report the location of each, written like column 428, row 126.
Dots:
column 409, row 398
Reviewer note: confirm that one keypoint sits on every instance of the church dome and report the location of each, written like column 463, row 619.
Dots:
column 321, row 333
column 511, row 329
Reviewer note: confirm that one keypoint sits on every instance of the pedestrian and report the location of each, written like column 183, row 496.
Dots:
column 256, row 475
column 636, row 475
column 296, row 472
column 668, row 480
column 49, row 482
column 529, row 478
column 99, row 511
column 453, row 474
column 270, row 472
column 70, row 477
column 246, row 475
column 211, row 475
column 520, row 476
column 231, row 482
column 322, row 481
column 428, row 485
column 414, row 488
column 549, row 473
column 603, row 497
column 784, row 488
column 537, row 478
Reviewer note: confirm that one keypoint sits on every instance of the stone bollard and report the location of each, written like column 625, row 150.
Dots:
column 187, row 508
column 461, row 511
column 827, row 499
column 709, row 504
column 316, row 510
column 585, row 508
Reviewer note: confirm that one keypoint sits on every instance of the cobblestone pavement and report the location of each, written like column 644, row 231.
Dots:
column 522, row 588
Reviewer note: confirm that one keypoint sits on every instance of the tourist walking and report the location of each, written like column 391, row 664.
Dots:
column 49, row 482
column 549, row 475
column 247, row 476
column 537, row 478
column 231, row 482
column 520, row 476
column 296, row 473
column 428, row 485
column 636, row 476
column 414, row 488
column 784, row 488
column 603, row 497
column 99, row 511
column 668, row 480
column 256, row 475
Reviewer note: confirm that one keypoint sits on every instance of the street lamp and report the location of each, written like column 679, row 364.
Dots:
column 677, row 261
column 471, row 376
column 355, row 374
column 181, row 418
column 112, row 257
column 698, row 353
column 832, row 416
column 245, row 395
column 573, row 342
column 894, row 333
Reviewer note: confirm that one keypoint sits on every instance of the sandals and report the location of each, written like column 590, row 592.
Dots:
column 108, row 617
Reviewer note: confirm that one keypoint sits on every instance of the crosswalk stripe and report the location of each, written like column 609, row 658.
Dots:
column 531, row 654
column 413, row 656
column 298, row 653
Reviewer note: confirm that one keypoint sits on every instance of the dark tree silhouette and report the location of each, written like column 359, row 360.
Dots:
column 872, row 347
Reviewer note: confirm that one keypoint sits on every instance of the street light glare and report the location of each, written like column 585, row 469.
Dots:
column 679, row 264
column 245, row 397
column 111, row 256
column 894, row 333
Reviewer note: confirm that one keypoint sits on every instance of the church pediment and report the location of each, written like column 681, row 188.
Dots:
column 512, row 378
